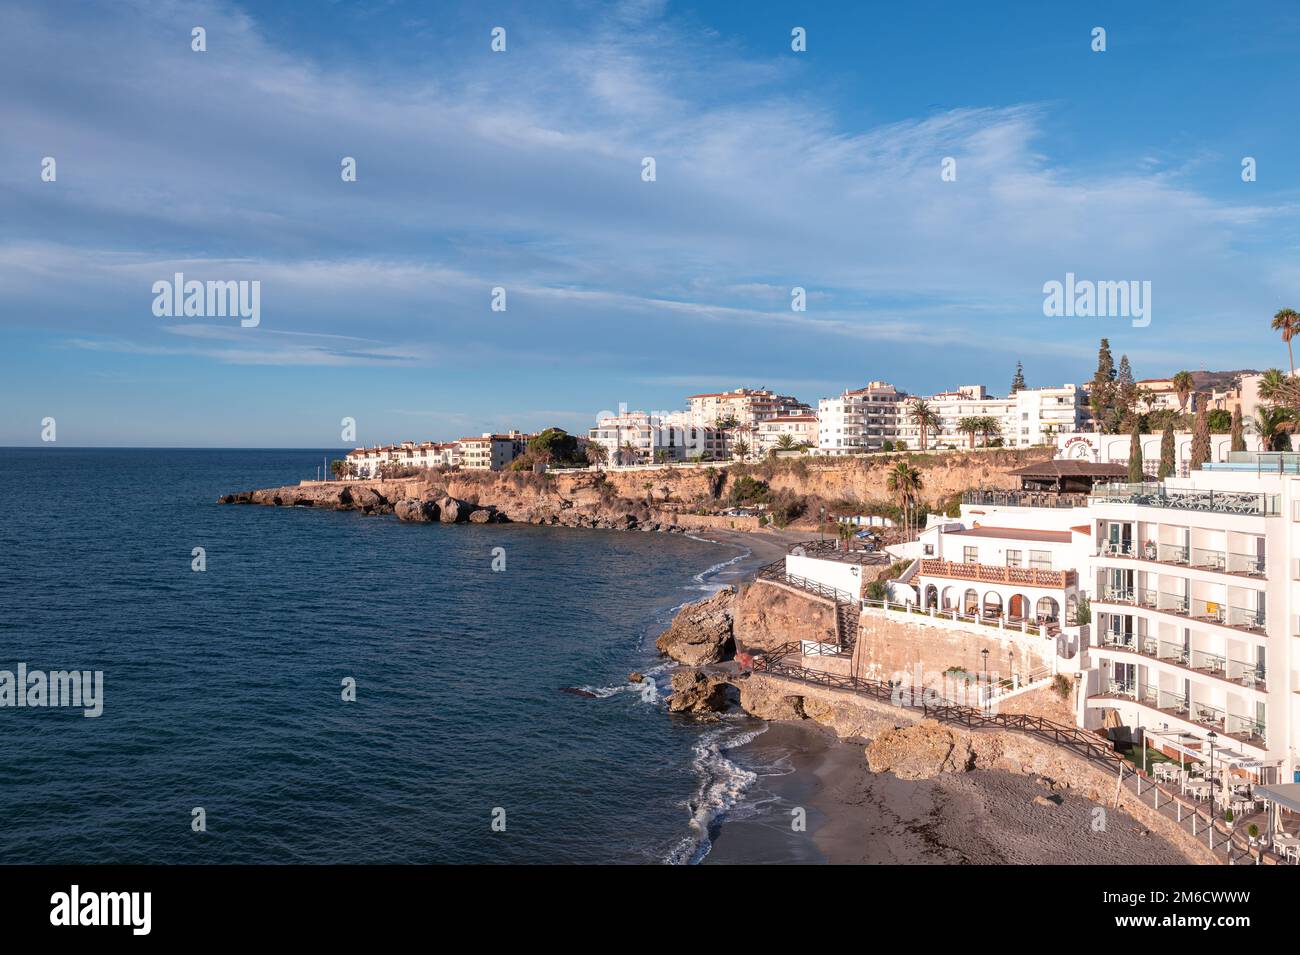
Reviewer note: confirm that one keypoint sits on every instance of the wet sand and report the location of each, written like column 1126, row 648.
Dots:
column 855, row 816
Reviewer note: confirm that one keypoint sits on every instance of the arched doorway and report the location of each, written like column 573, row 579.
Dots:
column 992, row 604
column 970, row 602
column 931, row 596
column 1048, row 610
column 949, row 598
column 1018, row 607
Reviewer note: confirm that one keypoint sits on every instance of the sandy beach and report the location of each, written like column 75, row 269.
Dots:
column 855, row 816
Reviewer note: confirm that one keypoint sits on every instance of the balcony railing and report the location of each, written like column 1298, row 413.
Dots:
column 995, row 574
column 1158, row 495
column 1024, row 499
column 1245, row 674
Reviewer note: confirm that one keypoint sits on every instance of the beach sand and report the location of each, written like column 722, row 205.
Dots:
column 855, row 816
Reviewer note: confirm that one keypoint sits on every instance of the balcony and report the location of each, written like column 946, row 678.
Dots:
column 1204, row 715
column 1202, row 662
column 1195, row 558
column 995, row 574
column 1157, row 495
column 1205, row 611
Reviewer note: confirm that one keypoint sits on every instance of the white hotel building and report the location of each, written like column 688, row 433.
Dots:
column 863, row 419
column 1193, row 590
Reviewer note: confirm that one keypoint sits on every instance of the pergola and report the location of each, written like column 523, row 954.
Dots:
column 1068, row 476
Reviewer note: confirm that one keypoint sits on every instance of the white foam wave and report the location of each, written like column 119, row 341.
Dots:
column 722, row 784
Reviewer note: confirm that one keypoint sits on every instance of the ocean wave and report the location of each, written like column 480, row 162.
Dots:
column 604, row 692
column 722, row 785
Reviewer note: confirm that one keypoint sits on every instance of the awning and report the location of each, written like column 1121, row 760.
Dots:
column 1286, row 795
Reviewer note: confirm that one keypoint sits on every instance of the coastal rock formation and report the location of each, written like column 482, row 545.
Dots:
column 921, row 751
column 768, row 615
column 415, row 510
column 701, row 632
column 694, row 691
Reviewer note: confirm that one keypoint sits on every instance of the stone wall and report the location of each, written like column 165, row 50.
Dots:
column 890, row 644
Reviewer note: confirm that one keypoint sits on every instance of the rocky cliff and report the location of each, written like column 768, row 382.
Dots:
column 644, row 499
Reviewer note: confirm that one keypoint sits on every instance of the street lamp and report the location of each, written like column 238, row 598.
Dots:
column 985, row 654
column 1212, row 736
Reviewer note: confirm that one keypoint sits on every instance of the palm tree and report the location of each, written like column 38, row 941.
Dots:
column 740, row 449
column 786, row 442
column 1271, row 384
column 339, row 468
column 596, row 454
column 1183, row 386
column 969, row 426
column 989, row 427
column 924, row 417
column 1287, row 321
column 1273, row 425
column 628, row 452
column 904, row 482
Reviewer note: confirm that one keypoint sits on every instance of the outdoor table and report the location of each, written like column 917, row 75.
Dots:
column 1197, row 787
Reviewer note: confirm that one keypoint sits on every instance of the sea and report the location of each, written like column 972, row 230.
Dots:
column 292, row 685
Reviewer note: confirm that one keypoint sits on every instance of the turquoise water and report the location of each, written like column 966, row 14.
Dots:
column 222, row 689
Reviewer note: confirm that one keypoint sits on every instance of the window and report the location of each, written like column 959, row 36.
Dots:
column 1040, row 559
column 1014, row 557
column 970, row 555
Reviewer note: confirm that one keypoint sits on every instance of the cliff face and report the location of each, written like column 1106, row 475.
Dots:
column 642, row 498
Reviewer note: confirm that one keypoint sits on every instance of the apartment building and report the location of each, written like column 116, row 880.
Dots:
column 1194, row 590
column 491, row 452
column 746, row 406
column 1029, row 417
column 859, row 420
column 790, row 431
column 366, row 462
column 639, row 438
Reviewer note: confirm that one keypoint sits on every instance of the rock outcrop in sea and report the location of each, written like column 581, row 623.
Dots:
column 701, row 634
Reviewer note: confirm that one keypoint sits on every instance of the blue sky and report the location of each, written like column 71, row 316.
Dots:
column 522, row 170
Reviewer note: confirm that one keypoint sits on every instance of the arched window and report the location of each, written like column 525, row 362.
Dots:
column 970, row 602
column 1048, row 609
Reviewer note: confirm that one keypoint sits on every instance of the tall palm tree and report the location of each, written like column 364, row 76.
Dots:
column 596, row 454
column 628, row 452
column 1273, row 425
column 1183, row 386
column 1287, row 321
column 740, row 449
column 989, row 427
column 904, row 483
column 970, row 427
column 924, row 417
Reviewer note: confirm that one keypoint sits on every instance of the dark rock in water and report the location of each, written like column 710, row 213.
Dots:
column 578, row 691
column 696, row 692
column 635, row 677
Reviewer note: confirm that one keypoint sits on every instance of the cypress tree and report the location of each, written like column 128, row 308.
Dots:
column 1166, row 451
column 1102, row 398
column 1018, row 382
column 1135, row 473
column 1200, row 439
column 1238, row 436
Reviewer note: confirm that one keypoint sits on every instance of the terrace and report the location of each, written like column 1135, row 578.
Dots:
column 998, row 574
column 1202, row 662
column 1158, row 495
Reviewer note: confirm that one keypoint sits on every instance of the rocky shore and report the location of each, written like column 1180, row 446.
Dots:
column 425, row 501
column 889, row 751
